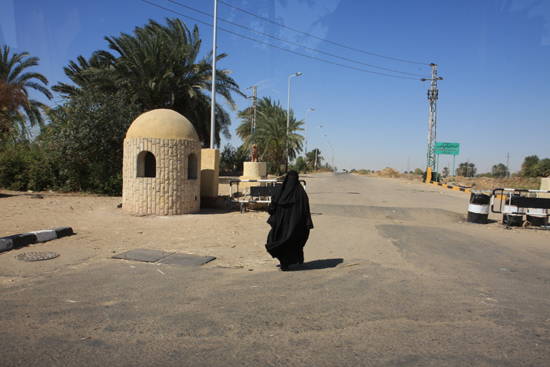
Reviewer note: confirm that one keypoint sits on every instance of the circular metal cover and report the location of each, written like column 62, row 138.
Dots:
column 36, row 256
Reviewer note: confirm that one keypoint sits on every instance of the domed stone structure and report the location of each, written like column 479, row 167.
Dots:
column 161, row 168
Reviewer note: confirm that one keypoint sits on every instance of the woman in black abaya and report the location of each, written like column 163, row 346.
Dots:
column 290, row 221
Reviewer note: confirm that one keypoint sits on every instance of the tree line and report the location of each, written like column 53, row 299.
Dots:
column 77, row 145
column 532, row 166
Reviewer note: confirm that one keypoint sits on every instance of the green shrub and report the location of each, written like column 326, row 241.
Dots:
column 24, row 166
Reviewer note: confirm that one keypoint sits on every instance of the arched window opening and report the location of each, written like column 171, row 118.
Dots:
column 146, row 164
column 192, row 166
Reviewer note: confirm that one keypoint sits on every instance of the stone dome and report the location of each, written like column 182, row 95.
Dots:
column 162, row 124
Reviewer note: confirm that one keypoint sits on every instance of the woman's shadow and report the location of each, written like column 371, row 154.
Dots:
column 316, row 265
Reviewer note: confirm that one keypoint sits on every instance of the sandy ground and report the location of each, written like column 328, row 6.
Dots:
column 103, row 230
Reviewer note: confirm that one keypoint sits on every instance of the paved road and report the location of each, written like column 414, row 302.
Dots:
column 393, row 277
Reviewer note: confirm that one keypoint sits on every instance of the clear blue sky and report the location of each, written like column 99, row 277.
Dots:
column 493, row 56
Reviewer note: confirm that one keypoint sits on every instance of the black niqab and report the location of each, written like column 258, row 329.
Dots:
column 290, row 221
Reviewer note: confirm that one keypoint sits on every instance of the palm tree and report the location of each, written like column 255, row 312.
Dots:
column 311, row 158
column 271, row 132
column 466, row 169
column 76, row 72
column 159, row 67
column 15, row 83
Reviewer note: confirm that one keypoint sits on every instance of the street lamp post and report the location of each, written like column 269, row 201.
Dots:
column 328, row 146
column 332, row 161
column 305, row 154
column 322, row 146
column 316, row 146
column 213, row 97
column 288, row 118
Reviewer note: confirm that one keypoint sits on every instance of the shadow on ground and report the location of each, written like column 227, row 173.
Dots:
column 316, row 265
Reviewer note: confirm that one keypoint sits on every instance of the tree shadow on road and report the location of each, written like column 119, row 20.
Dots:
column 316, row 265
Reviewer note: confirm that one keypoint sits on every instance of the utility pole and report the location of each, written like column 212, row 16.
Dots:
column 507, row 165
column 253, row 117
column 432, row 97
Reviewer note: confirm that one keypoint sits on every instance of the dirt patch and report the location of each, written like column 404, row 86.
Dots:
column 474, row 183
column 490, row 183
column 388, row 172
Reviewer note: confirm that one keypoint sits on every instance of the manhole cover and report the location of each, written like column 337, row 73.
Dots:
column 36, row 256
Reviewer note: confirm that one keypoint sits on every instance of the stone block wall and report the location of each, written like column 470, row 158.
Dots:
column 170, row 192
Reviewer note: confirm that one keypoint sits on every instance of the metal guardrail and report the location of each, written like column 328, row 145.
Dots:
column 514, row 201
column 254, row 192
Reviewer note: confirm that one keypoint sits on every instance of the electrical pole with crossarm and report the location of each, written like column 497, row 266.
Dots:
column 432, row 97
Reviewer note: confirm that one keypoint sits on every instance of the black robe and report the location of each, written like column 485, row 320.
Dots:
column 290, row 221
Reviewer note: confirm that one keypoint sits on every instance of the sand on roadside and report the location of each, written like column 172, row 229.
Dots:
column 103, row 230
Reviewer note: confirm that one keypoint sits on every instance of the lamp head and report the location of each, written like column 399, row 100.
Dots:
column 298, row 74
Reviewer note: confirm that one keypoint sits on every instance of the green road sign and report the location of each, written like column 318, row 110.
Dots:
column 447, row 148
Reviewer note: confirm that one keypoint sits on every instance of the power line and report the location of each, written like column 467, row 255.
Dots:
column 324, row 40
column 277, row 47
column 294, row 44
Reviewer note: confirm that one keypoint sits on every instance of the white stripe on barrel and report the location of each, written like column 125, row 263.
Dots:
column 478, row 209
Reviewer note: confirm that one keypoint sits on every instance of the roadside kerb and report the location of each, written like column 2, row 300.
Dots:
column 25, row 239
column 450, row 186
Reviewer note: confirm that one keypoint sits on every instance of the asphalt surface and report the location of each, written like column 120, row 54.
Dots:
column 393, row 277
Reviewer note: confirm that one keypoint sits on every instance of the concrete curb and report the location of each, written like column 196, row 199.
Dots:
column 449, row 186
column 25, row 239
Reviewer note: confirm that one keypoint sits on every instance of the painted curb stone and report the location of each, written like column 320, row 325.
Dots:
column 63, row 231
column 46, row 235
column 6, row 244
column 25, row 239
column 22, row 240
